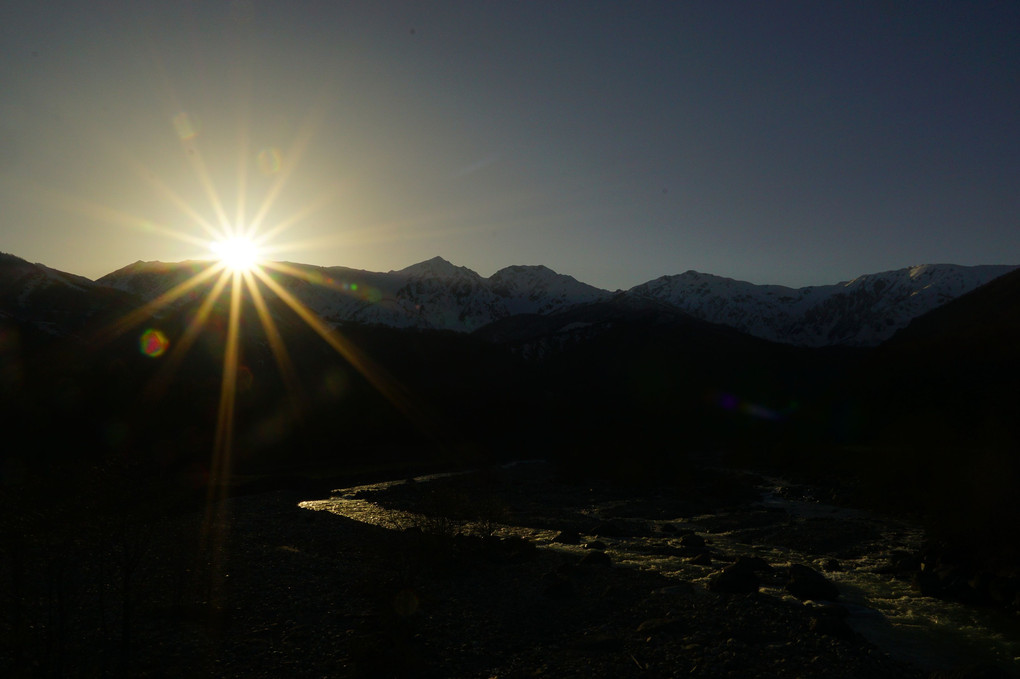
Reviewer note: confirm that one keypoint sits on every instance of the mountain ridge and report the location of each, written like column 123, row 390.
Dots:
column 54, row 303
column 439, row 295
column 864, row 311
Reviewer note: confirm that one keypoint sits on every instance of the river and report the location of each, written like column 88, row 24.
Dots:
column 786, row 524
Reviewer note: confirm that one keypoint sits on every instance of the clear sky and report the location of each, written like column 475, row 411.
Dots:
column 781, row 142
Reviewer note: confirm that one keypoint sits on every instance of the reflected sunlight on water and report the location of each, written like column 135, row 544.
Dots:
column 889, row 612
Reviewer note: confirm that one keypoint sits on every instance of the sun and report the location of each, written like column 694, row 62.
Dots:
column 237, row 253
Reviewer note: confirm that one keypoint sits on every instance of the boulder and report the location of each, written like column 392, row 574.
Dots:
column 734, row 580
column 693, row 544
column 567, row 537
column 807, row 583
column 831, row 565
column 595, row 558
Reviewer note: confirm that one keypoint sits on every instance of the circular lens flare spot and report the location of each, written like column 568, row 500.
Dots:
column 186, row 126
column 238, row 254
column 270, row 161
column 153, row 343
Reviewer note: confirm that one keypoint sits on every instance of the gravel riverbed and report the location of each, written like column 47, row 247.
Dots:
column 444, row 590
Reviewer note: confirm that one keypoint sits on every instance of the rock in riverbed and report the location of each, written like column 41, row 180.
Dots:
column 807, row 583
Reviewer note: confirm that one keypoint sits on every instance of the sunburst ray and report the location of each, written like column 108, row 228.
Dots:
column 290, row 162
column 191, row 332
column 147, row 310
column 276, row 345
column 376, row 376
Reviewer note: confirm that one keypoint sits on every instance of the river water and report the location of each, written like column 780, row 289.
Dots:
column 786, row 525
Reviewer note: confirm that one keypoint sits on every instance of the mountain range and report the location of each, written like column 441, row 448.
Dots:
column 436, row 294
column 434, row 361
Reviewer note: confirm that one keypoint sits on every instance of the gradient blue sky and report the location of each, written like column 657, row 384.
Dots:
column 781, row 142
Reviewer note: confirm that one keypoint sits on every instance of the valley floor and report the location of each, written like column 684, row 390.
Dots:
column 285, row 591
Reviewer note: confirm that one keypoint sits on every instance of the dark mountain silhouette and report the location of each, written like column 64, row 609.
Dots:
column 623, row 370
column 623, row 378
column 436, row 294
column 950, row 377
column 864, row 311
column 80, row 388
column 927, row 425
column 55, row 303
column 104, row 440
column 631, row 386
column 614, row 375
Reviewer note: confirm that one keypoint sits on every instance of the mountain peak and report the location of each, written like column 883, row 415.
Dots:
column 538, row 289
column 517, row 268
column 526, row 271
column 437, row 267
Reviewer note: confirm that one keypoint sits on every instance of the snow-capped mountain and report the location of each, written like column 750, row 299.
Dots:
column 433, row 294
column 53, row 302
column 540, row 290
column 864, row 311
column 436, row 294
column 440, row 295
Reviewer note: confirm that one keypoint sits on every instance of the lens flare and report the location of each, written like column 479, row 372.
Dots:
column 241, row 269
column 736, row 404
column 186, row 126
column 269, row 161
column 153, row 343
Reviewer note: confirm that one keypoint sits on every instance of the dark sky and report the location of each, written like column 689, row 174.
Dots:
column 778, row 142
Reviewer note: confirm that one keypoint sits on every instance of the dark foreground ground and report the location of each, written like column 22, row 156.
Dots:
column 263, row 588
